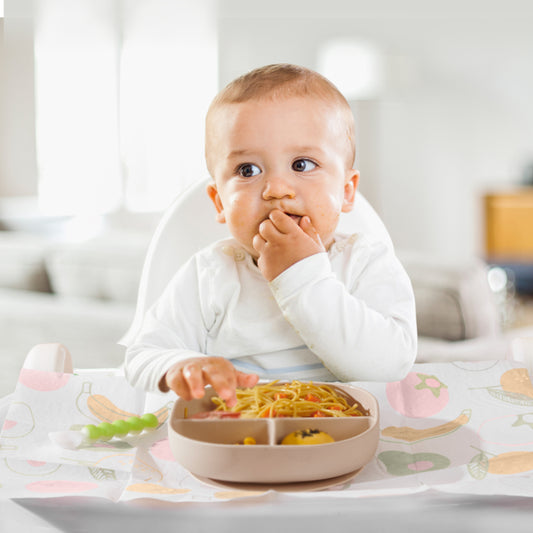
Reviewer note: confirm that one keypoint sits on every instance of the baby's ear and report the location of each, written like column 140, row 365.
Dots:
column 212, row 191
column 350, row 186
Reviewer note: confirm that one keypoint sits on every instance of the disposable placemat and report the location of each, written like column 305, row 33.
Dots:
column 451, row 427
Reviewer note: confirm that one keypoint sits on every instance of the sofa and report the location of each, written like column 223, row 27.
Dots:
column 83, row 295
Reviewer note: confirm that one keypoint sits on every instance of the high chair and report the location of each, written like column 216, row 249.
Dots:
column 189, row 225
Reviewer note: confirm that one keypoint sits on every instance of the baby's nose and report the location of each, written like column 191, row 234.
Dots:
column 278, row 186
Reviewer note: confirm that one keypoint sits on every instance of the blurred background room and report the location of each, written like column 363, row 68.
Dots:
column 102, row 106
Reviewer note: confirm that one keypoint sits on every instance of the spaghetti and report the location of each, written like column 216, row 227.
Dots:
column 295, row 399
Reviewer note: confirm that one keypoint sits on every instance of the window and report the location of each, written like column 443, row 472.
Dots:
column 121, row 93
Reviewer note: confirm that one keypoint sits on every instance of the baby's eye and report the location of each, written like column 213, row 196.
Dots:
column 303, row 165
column 248, row 170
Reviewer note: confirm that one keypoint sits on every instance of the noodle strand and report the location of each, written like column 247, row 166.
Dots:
column 295, row 399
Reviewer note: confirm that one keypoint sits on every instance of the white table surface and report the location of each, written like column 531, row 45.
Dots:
column 428, row 511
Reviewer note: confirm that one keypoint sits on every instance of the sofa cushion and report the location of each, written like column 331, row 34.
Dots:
column 453, row 300
column 22, row 261
column 105, row 268
column 431, row 350
column 90, row 329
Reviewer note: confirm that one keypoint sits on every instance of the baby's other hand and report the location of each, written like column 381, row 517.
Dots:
column 282, row 241
column 189, row 378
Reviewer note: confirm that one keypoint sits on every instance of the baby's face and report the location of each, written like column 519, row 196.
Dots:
column 290, row 155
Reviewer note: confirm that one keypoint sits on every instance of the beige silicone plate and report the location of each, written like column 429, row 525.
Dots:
column 208, row 448
column 302, row 486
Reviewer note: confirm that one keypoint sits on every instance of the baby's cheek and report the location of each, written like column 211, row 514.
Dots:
column 325, row 220
column 238, row 212
column 326, row 214
column 241, row 221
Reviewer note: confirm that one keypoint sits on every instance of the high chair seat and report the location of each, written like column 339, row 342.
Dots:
column 189, row 224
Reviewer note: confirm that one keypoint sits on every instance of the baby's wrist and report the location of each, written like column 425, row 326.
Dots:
column 300, row 274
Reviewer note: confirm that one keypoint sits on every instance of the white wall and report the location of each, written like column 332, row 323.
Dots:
column 18, row 172
column 454, row 118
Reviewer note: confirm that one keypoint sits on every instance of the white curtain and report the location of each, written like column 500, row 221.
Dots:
column 122, row 87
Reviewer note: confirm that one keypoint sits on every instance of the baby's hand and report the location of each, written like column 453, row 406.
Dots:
column 281, row 242
column 189, row 378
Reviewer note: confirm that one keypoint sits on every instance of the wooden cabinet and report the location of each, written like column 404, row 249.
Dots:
column 509, row 225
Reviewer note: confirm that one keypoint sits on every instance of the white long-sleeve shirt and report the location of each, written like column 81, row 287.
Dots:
column 347, row 315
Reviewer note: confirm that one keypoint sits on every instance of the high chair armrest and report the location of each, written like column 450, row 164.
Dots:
column 522, row 351
column 51, row 357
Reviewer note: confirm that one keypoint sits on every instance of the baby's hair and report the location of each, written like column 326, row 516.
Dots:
column 275, row 81
column 278, row 81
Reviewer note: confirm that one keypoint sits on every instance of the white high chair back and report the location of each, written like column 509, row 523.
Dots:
column 189, row 224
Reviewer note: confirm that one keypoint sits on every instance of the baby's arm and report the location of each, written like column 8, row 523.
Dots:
column 168, row 353
column 364, row 331
column 189, row 377
column 159, row 360
column 360, row 321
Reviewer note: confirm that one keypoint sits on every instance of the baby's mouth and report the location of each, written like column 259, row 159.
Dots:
column 296, row 218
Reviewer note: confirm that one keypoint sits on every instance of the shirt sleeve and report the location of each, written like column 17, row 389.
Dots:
column 173, row 330
column 362, row 327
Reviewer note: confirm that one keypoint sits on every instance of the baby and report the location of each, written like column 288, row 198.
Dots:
column 287, row 296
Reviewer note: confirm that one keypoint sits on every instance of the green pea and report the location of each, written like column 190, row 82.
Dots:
column 121, row 427
column 108, row 430
column 135, row 423
column 150, row 420
column 91, row 431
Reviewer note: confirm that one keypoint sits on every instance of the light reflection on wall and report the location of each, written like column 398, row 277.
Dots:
column 76, row 118
column 356, row 68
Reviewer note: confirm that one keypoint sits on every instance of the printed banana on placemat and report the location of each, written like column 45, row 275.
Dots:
column 409, row 434
column 104, row 409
